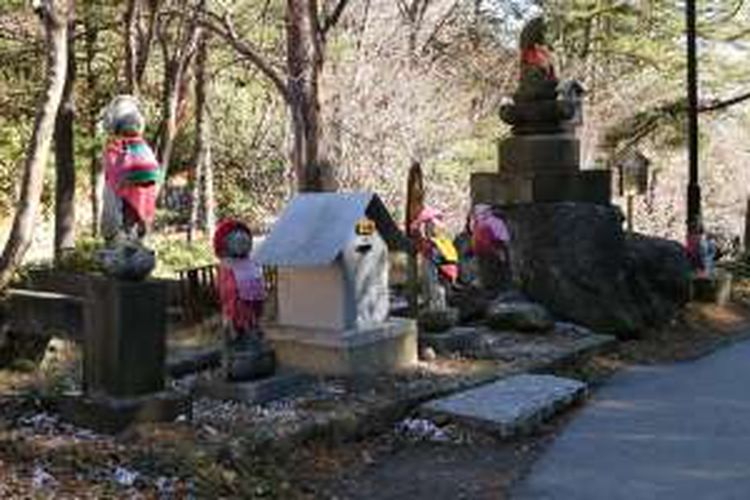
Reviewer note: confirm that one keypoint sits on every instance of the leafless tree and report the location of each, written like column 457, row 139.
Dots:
column 178, row 37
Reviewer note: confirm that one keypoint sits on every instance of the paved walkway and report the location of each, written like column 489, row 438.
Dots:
column 677, row 431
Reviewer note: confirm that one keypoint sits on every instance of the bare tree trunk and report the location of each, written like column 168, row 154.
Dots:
column 131, row 46
column 145, row 42
column 304, row 62
column 209, row 197
column 96, row 173
column 175, row 69
column 65, row 181
column 195, row 201
column 202, row 139
column 53, row 15
column 170, row 98
column 306, row 40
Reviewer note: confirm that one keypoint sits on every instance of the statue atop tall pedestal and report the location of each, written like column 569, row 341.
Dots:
column 567, row 247
column 540, row 161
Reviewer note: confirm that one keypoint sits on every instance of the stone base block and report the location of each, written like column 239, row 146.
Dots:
column 535, row 114
column 112, row 415
column 458, row 339
column 437, row 320
column 537, row 154
column 256, row 391
column 386, row 348
column 591, row 186
column 715, row 289
column 125, row 346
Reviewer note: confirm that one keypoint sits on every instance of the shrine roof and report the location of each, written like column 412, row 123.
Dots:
column 316, row 227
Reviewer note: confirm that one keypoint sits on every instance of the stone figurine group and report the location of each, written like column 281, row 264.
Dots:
column 539, row 164
column 479, row 255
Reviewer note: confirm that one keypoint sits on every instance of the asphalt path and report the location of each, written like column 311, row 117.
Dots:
column 678, row 431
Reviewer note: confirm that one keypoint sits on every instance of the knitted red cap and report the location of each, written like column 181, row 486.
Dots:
column 223, row 229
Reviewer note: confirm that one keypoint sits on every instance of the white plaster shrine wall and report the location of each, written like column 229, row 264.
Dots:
column 311, row 297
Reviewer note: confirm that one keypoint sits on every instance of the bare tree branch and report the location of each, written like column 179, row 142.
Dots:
column 223, row 27
column 722, row 104
column 331, row 21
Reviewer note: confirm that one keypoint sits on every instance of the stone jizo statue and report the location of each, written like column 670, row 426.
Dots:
column 242, row 294
column 540, row 104
column 132, row 172
column 439, row 257
column 538, row 80
column 132, row 176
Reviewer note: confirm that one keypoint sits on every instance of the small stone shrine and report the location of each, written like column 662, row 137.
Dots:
column 331, row 255
column 540, row 161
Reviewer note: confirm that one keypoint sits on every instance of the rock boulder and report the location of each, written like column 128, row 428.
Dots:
column 576, row 260
column 437, row 320
column 519, row 316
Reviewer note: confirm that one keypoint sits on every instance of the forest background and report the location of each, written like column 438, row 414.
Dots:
column 251, row 100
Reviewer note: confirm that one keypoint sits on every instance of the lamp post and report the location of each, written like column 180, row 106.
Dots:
column 694, row 190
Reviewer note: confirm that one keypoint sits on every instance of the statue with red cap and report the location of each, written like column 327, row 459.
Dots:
column 242, row 293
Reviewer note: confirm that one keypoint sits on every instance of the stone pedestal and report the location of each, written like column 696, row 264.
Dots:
column 248, row 358
column 125, row 344
column 111, row 415
column 388, row 347
column 256, row 392
column 715, row 289
column 540, row 162
column 589, row 186
column 124, row 358
column 539, row 154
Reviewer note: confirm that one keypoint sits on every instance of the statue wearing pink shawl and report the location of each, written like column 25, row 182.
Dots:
column 242, row 293
column 132, row 173
column 490, row 242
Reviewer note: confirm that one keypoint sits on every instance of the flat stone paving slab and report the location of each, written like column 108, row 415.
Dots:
column 510, row 406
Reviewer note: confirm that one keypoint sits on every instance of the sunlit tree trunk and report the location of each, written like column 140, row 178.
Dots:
column 202, row 154
column 306, row 33
column 54, row 17
column 96, row 172
column 304, row 61
column 131, row 45
column 65, row 180
column 176, row 63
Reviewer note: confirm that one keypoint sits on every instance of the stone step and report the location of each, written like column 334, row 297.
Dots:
column 515, row 405
column 185, row 361
column 255, row 392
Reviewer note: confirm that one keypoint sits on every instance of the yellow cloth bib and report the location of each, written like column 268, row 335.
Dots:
column 446, row 248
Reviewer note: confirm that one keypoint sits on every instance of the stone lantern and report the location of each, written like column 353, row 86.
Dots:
column 633, row 171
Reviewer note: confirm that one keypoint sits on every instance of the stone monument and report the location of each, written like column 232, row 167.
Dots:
column 331, row 255
column 539, row 162
column 125, row 313
column 568, row 250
